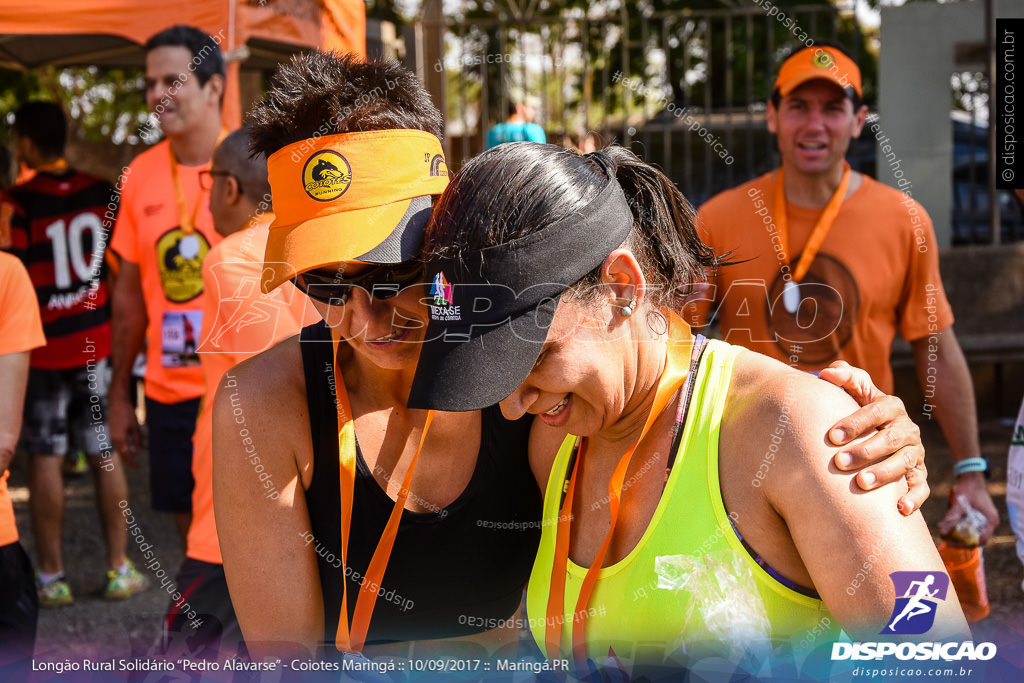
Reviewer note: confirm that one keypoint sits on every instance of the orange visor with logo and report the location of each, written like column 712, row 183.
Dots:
column 818, row 62
column 351, row 197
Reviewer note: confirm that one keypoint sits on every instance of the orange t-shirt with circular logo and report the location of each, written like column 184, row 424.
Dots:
column 21, row 329
column 876, row 274
column 149, row 233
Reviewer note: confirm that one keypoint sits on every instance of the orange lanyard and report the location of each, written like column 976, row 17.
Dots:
column 56, row 167
column 821, row 228
column 676, row 369
column 352, row 639
column 186, row 220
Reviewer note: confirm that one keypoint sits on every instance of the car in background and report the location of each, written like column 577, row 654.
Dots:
column 971, row 213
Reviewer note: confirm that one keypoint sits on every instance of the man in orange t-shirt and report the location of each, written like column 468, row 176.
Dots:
column 164, row 230
column 829, row 263
column 21, row 330
column 239, row 321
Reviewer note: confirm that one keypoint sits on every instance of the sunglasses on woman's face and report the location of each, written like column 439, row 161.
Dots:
column 383, row 282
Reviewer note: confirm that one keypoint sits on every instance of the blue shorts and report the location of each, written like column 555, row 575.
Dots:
column 171, row 426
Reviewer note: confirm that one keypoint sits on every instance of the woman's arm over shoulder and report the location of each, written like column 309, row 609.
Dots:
column 849, row 540
column 260, row 424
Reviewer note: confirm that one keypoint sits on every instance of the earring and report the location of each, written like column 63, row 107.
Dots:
column 628, row 309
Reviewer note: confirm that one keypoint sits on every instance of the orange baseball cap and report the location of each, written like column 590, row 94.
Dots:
column 351, row 197
column 814, row 62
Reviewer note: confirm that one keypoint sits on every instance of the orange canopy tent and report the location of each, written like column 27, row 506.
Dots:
column 254, row 34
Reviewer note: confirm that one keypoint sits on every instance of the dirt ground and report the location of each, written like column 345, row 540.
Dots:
column 98, row 629
column 93, row 627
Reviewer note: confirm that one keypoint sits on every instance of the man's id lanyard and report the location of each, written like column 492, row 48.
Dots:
column 189, row 245
column 350, row 638
column 791, row 289
column 676, row 367
column 56, row 168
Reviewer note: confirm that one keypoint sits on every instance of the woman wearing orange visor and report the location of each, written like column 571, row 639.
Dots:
column 350, row 522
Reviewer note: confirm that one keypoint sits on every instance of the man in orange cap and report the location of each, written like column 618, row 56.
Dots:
column 831, row 263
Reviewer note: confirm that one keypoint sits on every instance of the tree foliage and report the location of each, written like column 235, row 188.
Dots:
column 101, row 103
column 693, row 54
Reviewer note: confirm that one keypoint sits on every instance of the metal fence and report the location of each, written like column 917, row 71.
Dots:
column 971, row 222
column 683, row 89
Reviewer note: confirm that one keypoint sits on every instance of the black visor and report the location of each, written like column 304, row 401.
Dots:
column 490, row 311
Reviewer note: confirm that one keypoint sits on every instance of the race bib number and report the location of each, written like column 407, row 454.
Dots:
column 180, row 335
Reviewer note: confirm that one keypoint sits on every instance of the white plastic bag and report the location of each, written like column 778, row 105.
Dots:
column 724, row 608
column 967, row 529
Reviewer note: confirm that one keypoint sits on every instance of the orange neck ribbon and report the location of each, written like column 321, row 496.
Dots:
column 350, row 638
column 680, row 342
column 185, row 219
column 821, row 228
column 58, row 166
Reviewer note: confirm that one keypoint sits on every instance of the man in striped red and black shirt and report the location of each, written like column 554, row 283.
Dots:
column 58, row 224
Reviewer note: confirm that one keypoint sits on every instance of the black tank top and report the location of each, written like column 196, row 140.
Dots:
column 452, row 572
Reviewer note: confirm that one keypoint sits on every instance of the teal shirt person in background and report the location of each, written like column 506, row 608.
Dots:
column 518, row 128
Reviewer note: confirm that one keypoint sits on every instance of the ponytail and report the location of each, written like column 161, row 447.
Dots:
column 519, row 188
column 664, row 236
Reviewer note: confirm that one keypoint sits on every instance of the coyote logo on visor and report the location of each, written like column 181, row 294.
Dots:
column 326, row 175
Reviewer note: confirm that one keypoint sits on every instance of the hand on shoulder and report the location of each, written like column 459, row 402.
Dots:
column 808, row 519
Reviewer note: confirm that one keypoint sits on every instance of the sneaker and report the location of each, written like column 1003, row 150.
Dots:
column 121, row 586
column 75, row 465
column 57, row 593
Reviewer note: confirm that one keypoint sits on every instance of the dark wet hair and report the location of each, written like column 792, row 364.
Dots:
column 44, row 124
column 207, row 59
column 325, row 93
column 519, row 188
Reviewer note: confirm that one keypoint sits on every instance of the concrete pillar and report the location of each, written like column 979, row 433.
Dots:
column 429, row 54
column 918, row 58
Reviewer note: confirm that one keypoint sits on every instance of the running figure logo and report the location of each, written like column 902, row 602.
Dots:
column 917, row 597
column 441, row 291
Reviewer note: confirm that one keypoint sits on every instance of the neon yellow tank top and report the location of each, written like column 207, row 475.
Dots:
column 627, row 610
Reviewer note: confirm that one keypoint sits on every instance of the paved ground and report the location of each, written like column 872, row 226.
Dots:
column 95, row 628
